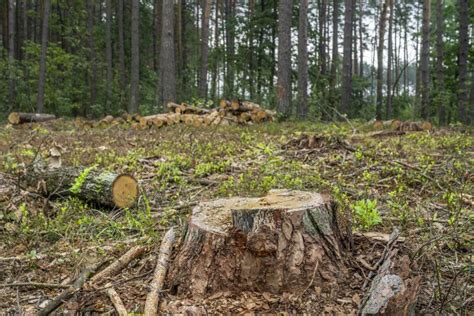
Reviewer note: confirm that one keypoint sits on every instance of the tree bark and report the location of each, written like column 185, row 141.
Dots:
column 425, row 59
column 303, row 60
column 389, row 110
column 361, row 39
column 202, row 88
column 439, row 61
column 105, row 188
column 167, row 56
column 272, row 244
column 108, row 53
column 135, row 63
column 322, row 4
column 16, row 118
column 335, row 46
column 44, row 47
column 284, row 57
column 346, row 90
column 383, row 17
column 230, row 47
column 216, row 47
column 463, row 56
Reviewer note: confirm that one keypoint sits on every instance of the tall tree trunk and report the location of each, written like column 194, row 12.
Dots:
column 439, row 61
column 335, row 45
column 405, row 49
column 361, row 39
column 157, row 8
column 251, row 66
column 230, row 47
column 44, row 47
column 463, row 54
column 383, row 18
column 91, row 44
column 121, row 51
column 355, row 59
column 322, row 41
column 108, row 53
column 346, row 89
column 202, row 85
column 135, row 63
column 11, row 51
column 284, row 57
column 303, row 60
column 389, row 110
column 215, row 67
column 425, row 59
column 167, row 57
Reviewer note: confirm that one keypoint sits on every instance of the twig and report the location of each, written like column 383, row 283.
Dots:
column 66, row 294
column 36, row 284
column 119, row 264
column 116, row 301
column 151, row 304
column 312, row 278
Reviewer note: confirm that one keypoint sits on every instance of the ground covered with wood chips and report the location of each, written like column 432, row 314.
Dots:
column 420, row 182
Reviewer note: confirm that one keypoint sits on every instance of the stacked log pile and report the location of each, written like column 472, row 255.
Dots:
column 228, row 113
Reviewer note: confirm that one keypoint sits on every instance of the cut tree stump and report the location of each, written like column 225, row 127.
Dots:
column 16, row 118
column 283, row 242
column 106, row 188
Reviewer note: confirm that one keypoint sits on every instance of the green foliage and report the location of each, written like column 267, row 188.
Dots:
column 79, row 181
column 366, row 213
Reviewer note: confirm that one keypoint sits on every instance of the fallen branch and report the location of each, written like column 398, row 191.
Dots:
column 156, row 285
column 66, row 294
column 116, row 301
column 119, row 264
column 37, row 284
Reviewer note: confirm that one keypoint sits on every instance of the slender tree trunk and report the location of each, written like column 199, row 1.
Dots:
column 91, row 44
column 417, row 73
column 11, row 51
column 284, row 57
column 121, row 51
column 322, row 41
column 108, row 53
column 135, row 64
column 425, row 58
column 361, row 39
column 167, row 55
column 355, row 60
column 346, row 89
column 405, row 49
column 303, row 60
column 383, row 17
column 202, row 87
column 230, row 47
column 216, row 47
column 389, row 110
column 44, row 47
column 251, row 65
column 440, row 60
column 463, row 56
column 335, row 45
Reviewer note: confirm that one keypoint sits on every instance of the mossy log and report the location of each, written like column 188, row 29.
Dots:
column 16, row 118
column 105, row 188
column 282, row 242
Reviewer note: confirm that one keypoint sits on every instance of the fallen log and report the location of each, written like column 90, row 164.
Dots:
column 156, row 285
column 283, row 242
column 16, row 118
column 116, row 301
column 106, row 188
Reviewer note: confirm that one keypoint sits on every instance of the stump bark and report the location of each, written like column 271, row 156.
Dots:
column 283, row 242
column 106, row 188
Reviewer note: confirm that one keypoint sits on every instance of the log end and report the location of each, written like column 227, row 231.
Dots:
column 125, row 191
column 14, row 118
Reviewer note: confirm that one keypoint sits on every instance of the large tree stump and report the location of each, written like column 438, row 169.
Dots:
column 283, row 242
column 106, row 188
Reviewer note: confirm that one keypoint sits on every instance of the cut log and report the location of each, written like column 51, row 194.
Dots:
column 105, row 188
column 283, row 242
column 16, row 118
column 106, row 121
column 410, row 126
column 224, row 104
column 387, row 124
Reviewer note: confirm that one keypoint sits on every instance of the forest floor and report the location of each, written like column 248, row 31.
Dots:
column 420, row 182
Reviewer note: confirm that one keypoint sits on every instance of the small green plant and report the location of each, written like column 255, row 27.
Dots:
column 366, row 213
column 79, row 181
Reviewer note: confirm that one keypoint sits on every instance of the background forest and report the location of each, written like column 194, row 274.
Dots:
column 308, row 59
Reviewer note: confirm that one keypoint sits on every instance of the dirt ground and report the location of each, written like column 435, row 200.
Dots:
column 420, row 182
